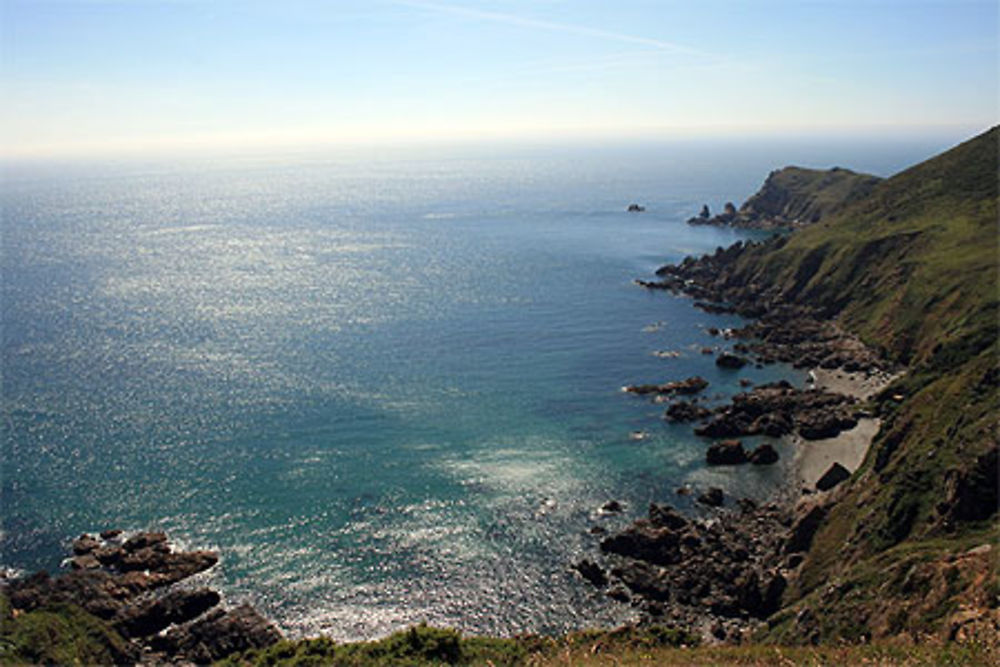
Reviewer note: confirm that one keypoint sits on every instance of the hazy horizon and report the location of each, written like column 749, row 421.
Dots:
column 106, row 77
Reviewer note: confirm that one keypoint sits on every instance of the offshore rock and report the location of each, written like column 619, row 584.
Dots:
column 764, row 455
column 692, row 385
column 729, row 360
column 713, row 497
column 612, row 506
column 726, row 452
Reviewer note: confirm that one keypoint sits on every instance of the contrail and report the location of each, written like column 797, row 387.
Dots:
column 511, row 19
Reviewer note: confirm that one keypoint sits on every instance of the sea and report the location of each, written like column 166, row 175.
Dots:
column 385, row 383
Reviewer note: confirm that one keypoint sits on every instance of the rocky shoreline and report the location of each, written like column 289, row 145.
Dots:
column 145, row 591
column 723, row 575
column 719, row 576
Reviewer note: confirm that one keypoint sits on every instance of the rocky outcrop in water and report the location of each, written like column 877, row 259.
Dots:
column 726, row 452
column 132, row 584
column 692, row 385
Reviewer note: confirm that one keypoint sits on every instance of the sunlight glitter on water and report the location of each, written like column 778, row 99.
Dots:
column 386, row 391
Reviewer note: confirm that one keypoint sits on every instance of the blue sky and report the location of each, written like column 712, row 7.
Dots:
column 95, row 76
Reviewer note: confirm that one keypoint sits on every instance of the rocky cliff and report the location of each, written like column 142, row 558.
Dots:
column 907, row 545
column 794, row 197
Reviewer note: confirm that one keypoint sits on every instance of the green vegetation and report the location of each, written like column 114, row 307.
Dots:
column 69, row 636
column 807, row 195
column 912, row 268
column 422, row 645
column 627, row 646
column 58, row 635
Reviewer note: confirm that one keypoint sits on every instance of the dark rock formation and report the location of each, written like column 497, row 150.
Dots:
column 180, row 606
column 713, row 497
column 644, row 541
column 665, row 516
column 726, row 452
column 686, row 411
column 834, row 475
column 700, row 572
column 692, row 385
column 217, row 635
column 764, row 455
column 592, row 572
column 971, row 495
column 729, row 360
column 792, row 333
column 777, row 409
column 84, row 545
column 129, row 585
column 612, row 506
column 801, row 534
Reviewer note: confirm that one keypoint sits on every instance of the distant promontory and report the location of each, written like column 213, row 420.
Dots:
column 793, row 197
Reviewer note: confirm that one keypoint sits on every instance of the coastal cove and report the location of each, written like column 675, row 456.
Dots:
column 383, row 396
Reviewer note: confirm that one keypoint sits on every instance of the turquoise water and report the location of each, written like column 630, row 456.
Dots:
column 386, row 385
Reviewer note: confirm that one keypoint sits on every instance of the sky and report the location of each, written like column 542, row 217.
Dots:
column 101, row 76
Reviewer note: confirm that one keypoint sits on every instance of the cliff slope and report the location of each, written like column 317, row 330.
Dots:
column 794, row 197
column 908, row 546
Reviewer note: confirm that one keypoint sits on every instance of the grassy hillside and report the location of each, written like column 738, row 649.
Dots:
column 804, row 195
column 59, row 635
column 912, row 268
column 654, row 646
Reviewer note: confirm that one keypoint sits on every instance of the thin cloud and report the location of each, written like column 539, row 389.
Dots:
column 552, row 26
